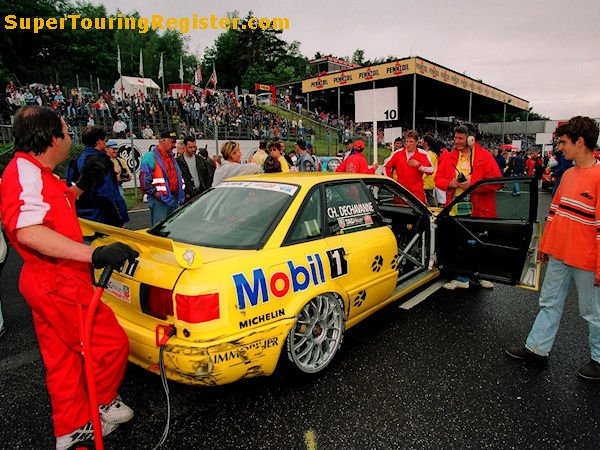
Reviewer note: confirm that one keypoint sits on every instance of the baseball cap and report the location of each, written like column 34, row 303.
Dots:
column 111, row 143
column 348, row 141
column 359, row 145
column 168, row 135
column 308, row 145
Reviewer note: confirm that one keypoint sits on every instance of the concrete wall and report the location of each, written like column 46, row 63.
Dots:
column 142, row 146
column 531, row 127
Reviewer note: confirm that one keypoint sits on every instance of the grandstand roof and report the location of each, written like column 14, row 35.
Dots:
column 440, row 91
column 410, row 66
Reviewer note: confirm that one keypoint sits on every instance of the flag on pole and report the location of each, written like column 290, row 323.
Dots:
column 198, row 76
column 141, row 64
column 119, row 59
column 213, row 78
column 160, row 67
column 181, row 69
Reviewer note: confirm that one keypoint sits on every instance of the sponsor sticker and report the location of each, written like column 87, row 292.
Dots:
column 287, row 189
column 119, row 290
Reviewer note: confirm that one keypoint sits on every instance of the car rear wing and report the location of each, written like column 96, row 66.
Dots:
column 187, row 256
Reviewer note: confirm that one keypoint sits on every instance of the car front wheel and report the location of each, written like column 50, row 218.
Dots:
column 317, row 334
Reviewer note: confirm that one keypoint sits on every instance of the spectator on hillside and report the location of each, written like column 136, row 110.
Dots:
column 119, row 128
column 147, row 132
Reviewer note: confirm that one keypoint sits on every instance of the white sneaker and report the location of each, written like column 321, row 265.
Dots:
column 455, row 284
column 486, row 284
column 83, row 434
column 116, row 412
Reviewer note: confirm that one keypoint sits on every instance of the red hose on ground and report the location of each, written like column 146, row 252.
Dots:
column 87, row 359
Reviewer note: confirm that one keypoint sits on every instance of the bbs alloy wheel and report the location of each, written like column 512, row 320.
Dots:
column 317, row 334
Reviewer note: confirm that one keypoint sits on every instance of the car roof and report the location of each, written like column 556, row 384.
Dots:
column 305, row 179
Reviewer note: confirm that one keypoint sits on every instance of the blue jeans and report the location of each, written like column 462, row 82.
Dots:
column 158, row 210
column 552, row 300
column 516, row 187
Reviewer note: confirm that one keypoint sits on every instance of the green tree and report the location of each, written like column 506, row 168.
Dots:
column 244, row 56
column 60, row 56
column 358, row 57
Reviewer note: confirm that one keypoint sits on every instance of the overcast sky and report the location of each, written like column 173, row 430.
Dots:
column 545, row 51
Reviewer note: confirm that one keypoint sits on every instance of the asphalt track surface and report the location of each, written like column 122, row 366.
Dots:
column 435, row 376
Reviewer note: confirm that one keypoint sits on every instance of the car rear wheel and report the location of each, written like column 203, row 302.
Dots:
column 317, row 334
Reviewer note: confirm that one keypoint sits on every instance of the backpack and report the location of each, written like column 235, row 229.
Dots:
column 72, row 172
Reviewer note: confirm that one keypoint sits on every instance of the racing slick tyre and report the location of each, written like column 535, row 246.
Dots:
column 317, row 334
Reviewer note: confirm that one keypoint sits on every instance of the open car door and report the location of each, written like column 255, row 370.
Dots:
column 490, row 231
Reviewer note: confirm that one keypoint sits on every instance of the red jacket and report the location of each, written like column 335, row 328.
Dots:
column 355, row 163
column 409, row 177
column 484, row 166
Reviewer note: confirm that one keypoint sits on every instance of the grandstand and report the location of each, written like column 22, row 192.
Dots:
column 426, row 91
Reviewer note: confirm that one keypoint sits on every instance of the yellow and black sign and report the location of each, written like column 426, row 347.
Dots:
column 354, row 76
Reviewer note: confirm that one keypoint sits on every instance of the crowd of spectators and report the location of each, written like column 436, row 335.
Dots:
column 199, row 112
column 195, row 114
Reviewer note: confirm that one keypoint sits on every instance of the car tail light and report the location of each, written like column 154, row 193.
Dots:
column 157, row 302
column 197, row 308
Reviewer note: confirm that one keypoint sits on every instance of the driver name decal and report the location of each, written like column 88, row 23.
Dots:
column 350, row 210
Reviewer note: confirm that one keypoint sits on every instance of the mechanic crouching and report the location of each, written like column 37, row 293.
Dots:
column 38, row 215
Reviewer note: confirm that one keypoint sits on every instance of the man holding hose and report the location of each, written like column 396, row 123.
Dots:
column 39, row 217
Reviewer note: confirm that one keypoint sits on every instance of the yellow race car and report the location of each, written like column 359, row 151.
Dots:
column 278, row 266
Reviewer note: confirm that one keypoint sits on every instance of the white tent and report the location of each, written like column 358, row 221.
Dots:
column 132, row 85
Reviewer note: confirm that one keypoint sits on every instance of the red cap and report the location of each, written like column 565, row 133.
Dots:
column 359, row 145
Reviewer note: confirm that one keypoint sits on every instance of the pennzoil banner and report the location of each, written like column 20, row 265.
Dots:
column 354, row 76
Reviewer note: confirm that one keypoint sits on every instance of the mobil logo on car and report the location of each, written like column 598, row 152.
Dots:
column 298, row 278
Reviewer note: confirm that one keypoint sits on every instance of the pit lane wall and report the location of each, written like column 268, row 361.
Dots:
column 142, row 146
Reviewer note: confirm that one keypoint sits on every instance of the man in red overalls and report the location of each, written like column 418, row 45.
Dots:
column 39, row 217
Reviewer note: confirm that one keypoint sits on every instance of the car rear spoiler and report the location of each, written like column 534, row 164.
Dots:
column 186, row 255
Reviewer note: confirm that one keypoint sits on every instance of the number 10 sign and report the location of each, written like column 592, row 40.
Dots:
column 376, row 105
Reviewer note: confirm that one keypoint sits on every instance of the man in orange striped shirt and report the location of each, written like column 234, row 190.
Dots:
column 570, row 246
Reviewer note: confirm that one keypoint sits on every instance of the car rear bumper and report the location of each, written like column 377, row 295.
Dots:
column 210, row 363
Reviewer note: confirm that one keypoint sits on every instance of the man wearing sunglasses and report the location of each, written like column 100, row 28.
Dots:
column 38, row 215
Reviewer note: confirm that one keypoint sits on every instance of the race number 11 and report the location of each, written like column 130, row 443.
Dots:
column 337, row 262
